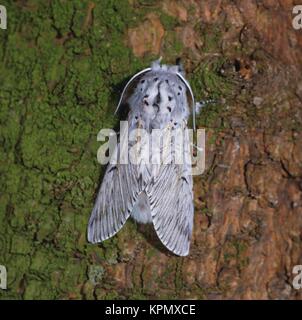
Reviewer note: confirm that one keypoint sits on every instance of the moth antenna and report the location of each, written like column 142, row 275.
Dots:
column 127, row 85
column 180, row 65
column 192, row 96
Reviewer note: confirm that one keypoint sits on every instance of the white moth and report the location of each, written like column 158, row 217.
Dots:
column 161, row 194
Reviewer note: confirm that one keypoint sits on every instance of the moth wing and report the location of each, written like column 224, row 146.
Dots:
column 114, row 202
column 172, row 209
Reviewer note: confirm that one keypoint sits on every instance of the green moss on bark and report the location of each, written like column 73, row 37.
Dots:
column 64, row 62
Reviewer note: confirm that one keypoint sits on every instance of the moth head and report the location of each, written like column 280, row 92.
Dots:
column 156, row 66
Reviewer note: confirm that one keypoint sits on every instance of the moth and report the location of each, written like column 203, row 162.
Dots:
column 161, row 194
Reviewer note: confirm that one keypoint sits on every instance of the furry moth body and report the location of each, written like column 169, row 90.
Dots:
column 158, row 194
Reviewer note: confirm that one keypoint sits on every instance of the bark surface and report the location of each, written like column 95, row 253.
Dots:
column 63, row 66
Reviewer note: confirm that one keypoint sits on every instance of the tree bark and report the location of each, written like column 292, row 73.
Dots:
column 65, row 63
